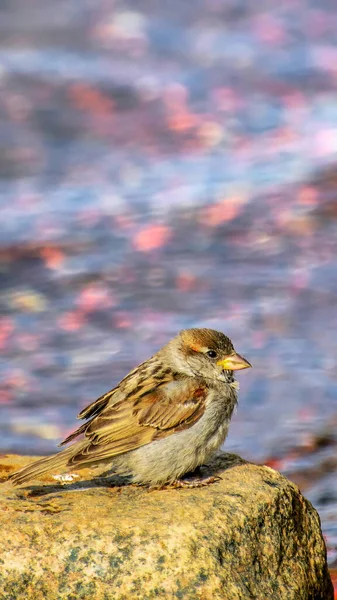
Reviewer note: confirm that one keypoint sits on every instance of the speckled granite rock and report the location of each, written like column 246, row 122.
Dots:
column 252, row 535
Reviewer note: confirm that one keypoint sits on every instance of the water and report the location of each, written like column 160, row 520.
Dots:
column 165, row 167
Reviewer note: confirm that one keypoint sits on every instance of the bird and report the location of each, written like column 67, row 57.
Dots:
column 163, row 421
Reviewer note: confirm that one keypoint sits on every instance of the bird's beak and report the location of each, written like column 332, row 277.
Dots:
column 234, row 362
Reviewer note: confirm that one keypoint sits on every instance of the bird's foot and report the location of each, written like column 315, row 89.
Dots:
column 194, row 482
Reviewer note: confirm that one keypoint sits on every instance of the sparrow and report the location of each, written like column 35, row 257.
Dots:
column 165, row 419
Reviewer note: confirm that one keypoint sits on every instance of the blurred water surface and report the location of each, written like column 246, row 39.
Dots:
column 165, row 167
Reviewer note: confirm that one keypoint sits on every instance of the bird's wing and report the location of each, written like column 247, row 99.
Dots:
column 140, row 417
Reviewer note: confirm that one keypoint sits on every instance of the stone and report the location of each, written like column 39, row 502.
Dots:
column 251, row 535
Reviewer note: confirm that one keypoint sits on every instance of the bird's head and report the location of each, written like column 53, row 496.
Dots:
column 206, row 353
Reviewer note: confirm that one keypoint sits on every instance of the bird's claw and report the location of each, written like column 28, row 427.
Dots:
column 193, row 482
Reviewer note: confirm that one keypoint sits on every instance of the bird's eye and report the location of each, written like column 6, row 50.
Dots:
column 211, row 353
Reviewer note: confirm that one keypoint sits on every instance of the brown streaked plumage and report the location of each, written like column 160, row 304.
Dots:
column 165, row 418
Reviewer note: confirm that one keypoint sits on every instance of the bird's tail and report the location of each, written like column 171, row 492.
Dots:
column 57, row 462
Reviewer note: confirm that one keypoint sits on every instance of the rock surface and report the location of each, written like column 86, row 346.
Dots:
column 252, row 535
